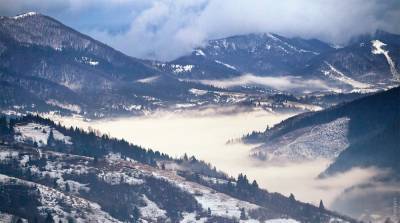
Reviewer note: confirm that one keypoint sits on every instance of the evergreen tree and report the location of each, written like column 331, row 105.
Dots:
column 19, row 220
column 50, row 140
column 243, row 214
column 136, row 214
column 185, row 157
column 291, row 197
column 321, row 205
column 4, row 128
column 208, row 212
column 388, row 220
column 254, row 184
column 55, row 184
column 49, row 218
column 67, row 188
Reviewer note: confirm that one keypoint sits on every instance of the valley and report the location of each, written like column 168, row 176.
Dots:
column 206, row 135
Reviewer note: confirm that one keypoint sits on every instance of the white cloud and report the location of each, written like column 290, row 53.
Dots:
column 166, row 29
column 278, row 83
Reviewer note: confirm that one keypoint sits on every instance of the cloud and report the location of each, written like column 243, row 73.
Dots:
column 278, row 83
column 166, row 29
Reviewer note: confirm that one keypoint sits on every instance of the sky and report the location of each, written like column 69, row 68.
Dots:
column 167, row 29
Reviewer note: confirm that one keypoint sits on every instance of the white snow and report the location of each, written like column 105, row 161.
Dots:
column 220, row 204
column 8, row 155
column 80, row 209
column 148, row 80
column 335, row 74
column 191, row 218
column 377, row 44
column 8, row 218
column 198, row 92
column 185, row 105
column 309, row 143
column 177, row 68
column 70, row 107
column 89, row 61
column 133, row 107
column 38, row 133
column 199, row 52
column 281, row 220
column 151, row 211
column 114, row 178
column 25, row 15
column 309, row 107
column 226, row 65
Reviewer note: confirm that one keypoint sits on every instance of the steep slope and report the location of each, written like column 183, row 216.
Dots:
column 380, row 150
column 369, row 60
column 47, row 171
column 70, row 72
column 326, row 133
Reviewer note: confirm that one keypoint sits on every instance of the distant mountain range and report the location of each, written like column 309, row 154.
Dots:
column 46, row 66
column 369, row 61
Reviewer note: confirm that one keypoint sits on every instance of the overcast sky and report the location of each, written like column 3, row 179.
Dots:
column 166, row 29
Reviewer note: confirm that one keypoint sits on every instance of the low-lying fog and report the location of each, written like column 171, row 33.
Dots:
column 205, row 136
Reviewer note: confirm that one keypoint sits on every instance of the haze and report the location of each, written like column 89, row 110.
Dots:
column 205, row 136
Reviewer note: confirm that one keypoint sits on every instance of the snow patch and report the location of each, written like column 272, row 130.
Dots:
column 379, row 50
column 335, row 74
column 151, row 211
column 66, row 106
column 226, row 65
column 148, row 80
column 38, row 133
column 177, row 68
column 198, row 92
column 28, row 14
column 281, row 220
column 321, row 141
column 199, row 52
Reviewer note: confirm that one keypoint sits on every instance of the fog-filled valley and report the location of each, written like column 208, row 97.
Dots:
column 207, row 136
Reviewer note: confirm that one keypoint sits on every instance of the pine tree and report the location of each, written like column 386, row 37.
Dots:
column 291, row 197
column 67, row 188
column 321, row 205
column 243, row 214
column 208, row 212
column 136, row 214
column 50, row 140
column 388, row 220
column 254, row 184
column 4, row 129
column 55, row 184
column 49, row 218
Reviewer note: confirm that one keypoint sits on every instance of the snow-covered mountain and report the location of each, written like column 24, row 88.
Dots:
column 260, row 54
column 365, row 64
column 48, row 172
column 46, row 66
